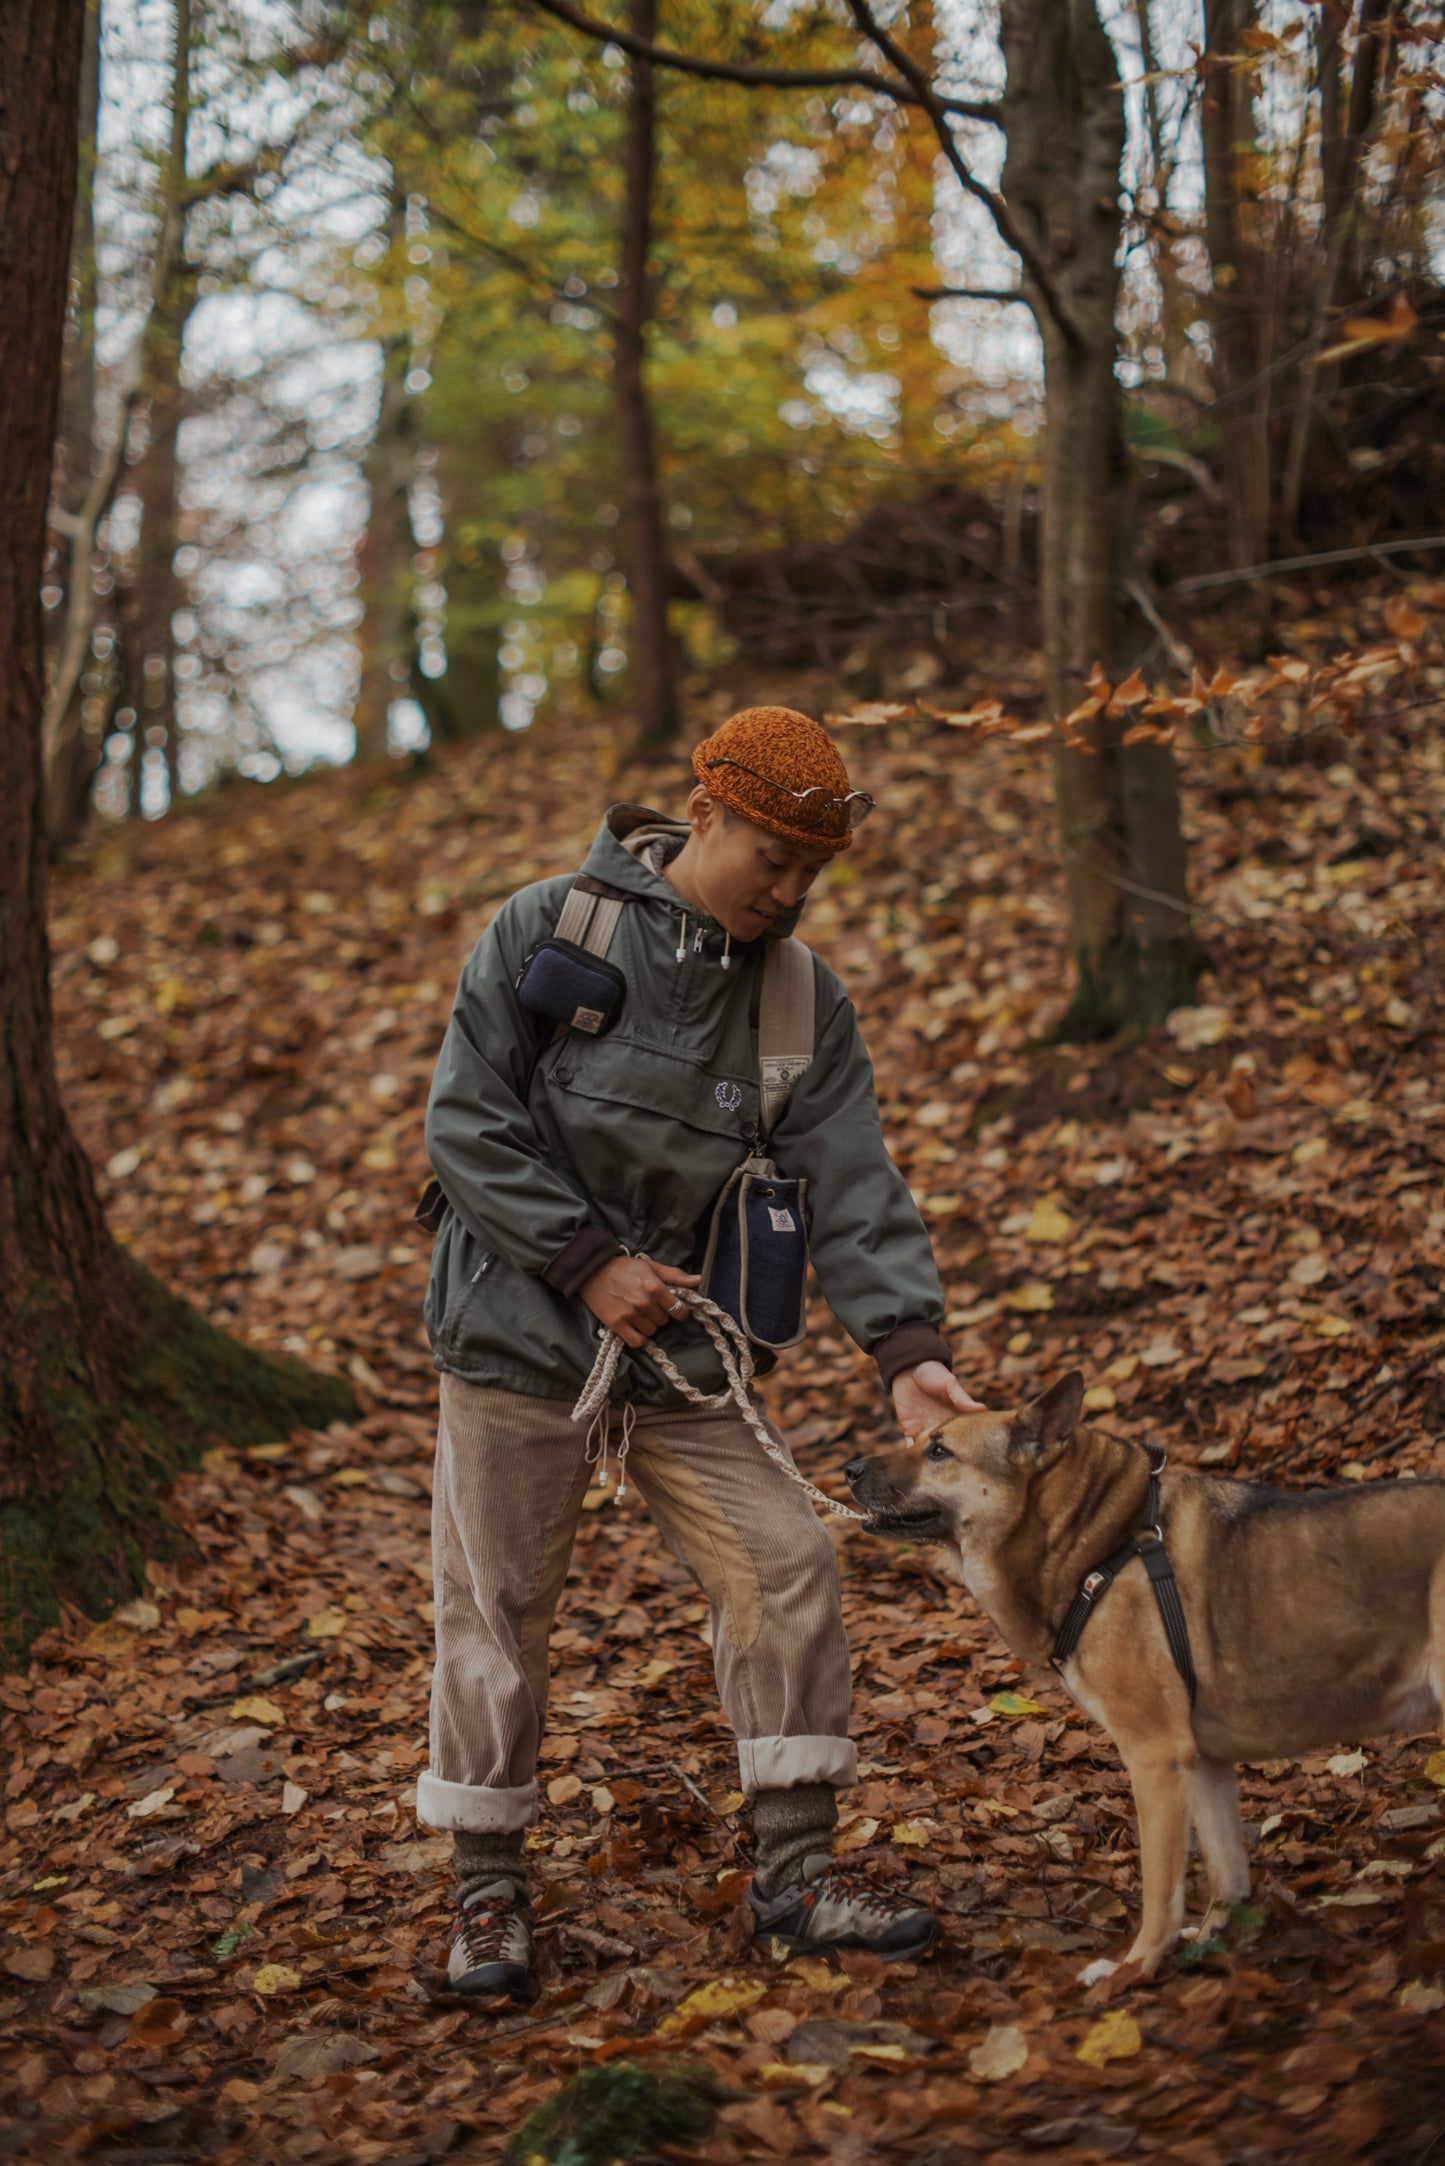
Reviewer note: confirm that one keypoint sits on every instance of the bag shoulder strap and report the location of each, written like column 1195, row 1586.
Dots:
column 785, row 1025
column 590, row 914
column 590, row 917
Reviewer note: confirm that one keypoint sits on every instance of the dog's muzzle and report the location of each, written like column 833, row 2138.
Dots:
column 888, row 1511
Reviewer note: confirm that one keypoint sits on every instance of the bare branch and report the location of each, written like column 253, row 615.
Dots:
column 970, row 293
column 736, row 71
column 938, row 110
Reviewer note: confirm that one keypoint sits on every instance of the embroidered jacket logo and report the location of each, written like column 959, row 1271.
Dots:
column 729, row 1096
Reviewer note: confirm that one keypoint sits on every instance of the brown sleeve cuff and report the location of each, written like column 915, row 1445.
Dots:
column 585, row 1253
column 907, row 1345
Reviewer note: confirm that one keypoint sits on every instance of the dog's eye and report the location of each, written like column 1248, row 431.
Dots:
column 935, row 1450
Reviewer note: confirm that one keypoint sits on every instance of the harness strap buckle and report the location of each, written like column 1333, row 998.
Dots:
column 1092, row 1585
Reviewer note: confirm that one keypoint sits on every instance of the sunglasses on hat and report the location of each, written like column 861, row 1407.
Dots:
column 856, row 806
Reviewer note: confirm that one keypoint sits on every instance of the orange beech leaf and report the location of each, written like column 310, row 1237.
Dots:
column 1147, row 733
column 1131, row 693
column 1405, row 622
column 1359, row 333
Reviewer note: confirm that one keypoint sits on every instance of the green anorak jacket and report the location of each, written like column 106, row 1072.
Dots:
column 553, row 1165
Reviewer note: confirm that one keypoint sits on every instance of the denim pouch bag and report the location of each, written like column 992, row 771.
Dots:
column 756, row 1263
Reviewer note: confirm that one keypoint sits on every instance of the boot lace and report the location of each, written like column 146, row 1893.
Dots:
column 483, row 1928
column 838, row 1885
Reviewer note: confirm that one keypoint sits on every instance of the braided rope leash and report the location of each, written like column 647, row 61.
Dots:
column 736, row 1356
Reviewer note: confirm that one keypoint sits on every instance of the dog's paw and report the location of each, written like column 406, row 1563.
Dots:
column 1096, row 1972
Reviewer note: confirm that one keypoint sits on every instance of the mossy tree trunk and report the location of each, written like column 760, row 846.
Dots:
column 1118, row 807
column 108, row 1383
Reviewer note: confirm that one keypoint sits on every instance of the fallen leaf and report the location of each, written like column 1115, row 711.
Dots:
column 276, row 1978
column 563, row 1788
column 712, row 2002
column 912, row 1834
column 256, row 1708
column 1115, row 2037
column 1015, row 1703
column 234, row 1937
column 1099, row 1398
column 1048, row 1223
column 293, row 1797
column 856, row 1834
column 33, row 1963
column 1033, row 1297
column 327, row 1624
column 1003, row 2053
column 1191, row 1028
column 1347, row 1763
column 152, row 1802
column 321, row 2053
column 1419, row 1999
column 116, row 2000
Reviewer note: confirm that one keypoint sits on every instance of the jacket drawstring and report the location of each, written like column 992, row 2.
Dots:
column 727, row 953
column 599, row 1435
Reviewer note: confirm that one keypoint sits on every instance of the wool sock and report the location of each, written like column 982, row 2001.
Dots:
column 790, row 1826
column 479, row 1859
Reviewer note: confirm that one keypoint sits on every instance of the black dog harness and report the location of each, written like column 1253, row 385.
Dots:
column 1149, row 1546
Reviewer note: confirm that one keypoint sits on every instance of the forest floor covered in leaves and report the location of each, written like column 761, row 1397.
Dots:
column 222, row 1924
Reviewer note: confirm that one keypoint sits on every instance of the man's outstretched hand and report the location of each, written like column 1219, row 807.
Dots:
column 928, row 1394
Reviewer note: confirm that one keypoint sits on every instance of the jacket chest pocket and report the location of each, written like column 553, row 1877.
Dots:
column 673, row 1093
column 653, row 1138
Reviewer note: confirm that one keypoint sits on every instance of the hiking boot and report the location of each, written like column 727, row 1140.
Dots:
column 491, row 1951
column 830, row 1907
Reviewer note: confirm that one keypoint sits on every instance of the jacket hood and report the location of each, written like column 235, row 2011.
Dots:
column 620, row 856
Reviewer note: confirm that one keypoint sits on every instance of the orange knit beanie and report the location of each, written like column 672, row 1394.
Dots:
column 777, row 750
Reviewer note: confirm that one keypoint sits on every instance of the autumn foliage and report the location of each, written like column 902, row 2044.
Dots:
column 222, row 1923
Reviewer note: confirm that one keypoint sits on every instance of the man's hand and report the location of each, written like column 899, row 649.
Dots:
column 635, row 1297
column 926, row 1395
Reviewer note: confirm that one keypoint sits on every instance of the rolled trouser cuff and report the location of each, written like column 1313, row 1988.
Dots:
column 474, row 1808
column 781, row 1763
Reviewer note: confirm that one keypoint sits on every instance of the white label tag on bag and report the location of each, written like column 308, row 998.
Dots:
column 782, row 1220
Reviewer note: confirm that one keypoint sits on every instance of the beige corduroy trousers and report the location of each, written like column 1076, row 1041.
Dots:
column 511, row 1471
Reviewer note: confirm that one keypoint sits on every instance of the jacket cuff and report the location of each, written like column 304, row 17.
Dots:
column 585, row 1253
column 907, row 1345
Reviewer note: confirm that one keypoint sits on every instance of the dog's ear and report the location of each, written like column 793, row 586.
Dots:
column 1041, row 1428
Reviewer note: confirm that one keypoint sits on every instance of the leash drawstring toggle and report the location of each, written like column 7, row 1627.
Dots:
column 736, row 1356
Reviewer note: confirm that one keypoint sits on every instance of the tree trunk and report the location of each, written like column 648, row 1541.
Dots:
column 108, row 1383
column 1243, row 280
column 466, row 702
column 75, row 750
column 1118, row 807
column 1342, row 148
column 651, row 647
column 388, row 638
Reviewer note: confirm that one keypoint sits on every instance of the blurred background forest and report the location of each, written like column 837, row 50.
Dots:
column 437, row 367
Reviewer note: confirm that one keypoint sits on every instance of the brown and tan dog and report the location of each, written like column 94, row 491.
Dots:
column 1314, row 1617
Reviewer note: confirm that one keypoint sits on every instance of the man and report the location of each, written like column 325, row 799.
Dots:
column 578, row 1174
